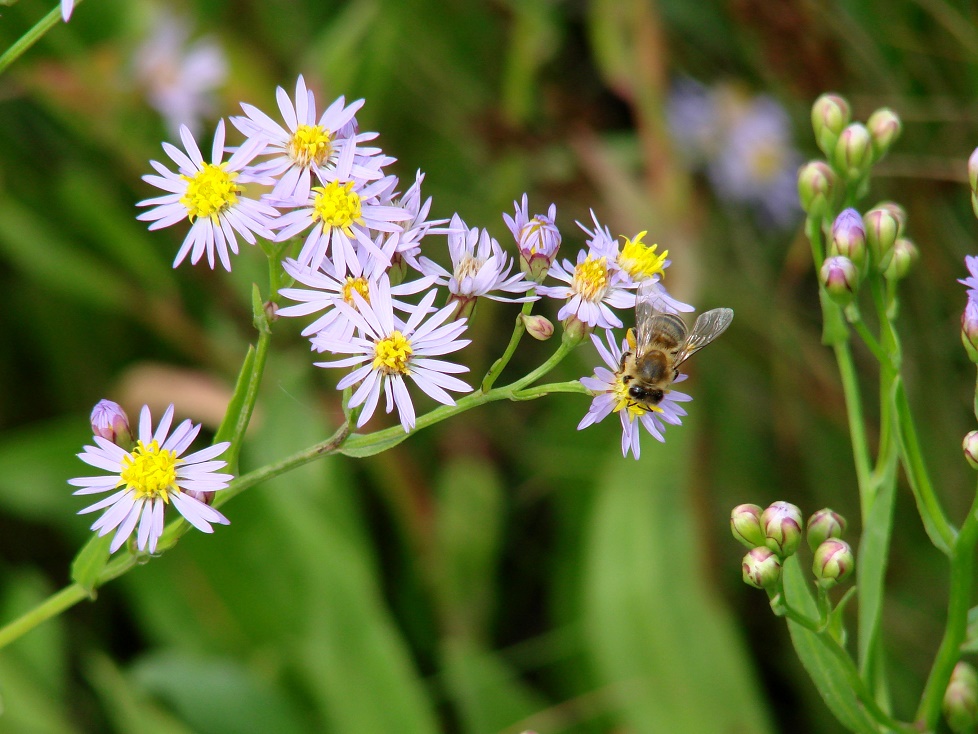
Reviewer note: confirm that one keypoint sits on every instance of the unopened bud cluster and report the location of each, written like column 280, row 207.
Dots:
column 775, row 533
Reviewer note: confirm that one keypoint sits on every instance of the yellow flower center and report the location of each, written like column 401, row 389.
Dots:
column 150, row 471
column 623, row 401
column 468, row 266
column 393, row 354
column 532, row 235
column 591, row 278
column 355, row 284
column 765, row 162
column 310, row 144
column 640, row 260
column 337, row 205
column 210, row 192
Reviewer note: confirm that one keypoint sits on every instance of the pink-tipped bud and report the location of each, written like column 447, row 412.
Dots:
column 853, row 154
column 840, row 278
column 969, row 330
column 538, row 242
column 110, row 422
column 900, row 259
column 960, row 704
column 830, row 115
column 823, row 525
column 762, row 568
column 849, row 237
column 970, row 447
column 816, row 184
column 882, row 229
column 833, row 562
column 538, row 327
column 745, row 524
column 781, row 523
column 884, row 128
column 973, row 171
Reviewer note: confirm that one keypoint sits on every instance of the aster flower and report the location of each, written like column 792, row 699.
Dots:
column 595, row 285
column 67, row 6
column 152, row 475
column 327, row 287
column 971, row 262
column 306, row 145
column 210, row 196
column 110, row 422
column 405, row 244
column 479, row 267
column 537, row 238
column 394, row 350
column 611, row 396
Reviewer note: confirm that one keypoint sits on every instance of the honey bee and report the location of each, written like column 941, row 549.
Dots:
column 660, row 343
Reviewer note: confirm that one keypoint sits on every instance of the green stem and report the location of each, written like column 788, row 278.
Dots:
column 959, row 601
column 32, row 36
column 500, row 364
column 857, row 424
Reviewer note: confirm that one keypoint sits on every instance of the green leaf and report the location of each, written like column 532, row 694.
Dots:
column 363, row 446
column 232, row 415
column 91, row 561
column 826, row 670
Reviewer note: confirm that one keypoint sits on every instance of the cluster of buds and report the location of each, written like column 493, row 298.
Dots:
column 852, row 147
column 773, row 534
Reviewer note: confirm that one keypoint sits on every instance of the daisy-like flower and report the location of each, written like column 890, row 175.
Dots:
column 611, row 396
column 150, row 476
column 210, row 196
column 479, row 268
column 344, row 214
column 391, row 350
column 67, row 6
column 595, row 285
column 537, row 238
column 307, row 145
column 405, row 244
column 971, row 262
column 327, row 288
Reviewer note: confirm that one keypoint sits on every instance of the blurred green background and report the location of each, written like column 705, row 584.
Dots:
column 501, row 571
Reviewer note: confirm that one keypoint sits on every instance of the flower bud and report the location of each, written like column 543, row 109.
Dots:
column 830, row 115
column 816, row 183
column 398, row 269
column 960, row 702
column 884, row 127
column 840, row 278
column 882, row 229
column 781, row 523
column 745, row 524
column 538, row 242
column 762, row 568
column 849, row 237
column 574, row 330
column 464, row 306
column 110, row 422
column 823, row 525
column 538, row 327
column 853, row 153
column 974, row 203
column 973, row 170
column 969, row 330
column 900, row 259
column 970, row 446
column 833, row 562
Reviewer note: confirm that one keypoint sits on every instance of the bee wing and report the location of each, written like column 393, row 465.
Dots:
column 708, row 327
column 650, row 315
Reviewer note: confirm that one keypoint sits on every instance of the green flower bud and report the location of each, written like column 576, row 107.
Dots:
column 840, row 278
column 973, row 170
column 781, row 523
column 853, row 154
column 970, row 446
column 398, row 269
column 961, row 698
column 830, row 115
column 969, row 330
column 745, row 524
column 574, row 330
column 833, row 562
column 762, row 568
column 538, row 327
column 974, row 203
column 900, row 259
column 884, row 127
column 882, row 230
column 823, row 525
column 816, row 183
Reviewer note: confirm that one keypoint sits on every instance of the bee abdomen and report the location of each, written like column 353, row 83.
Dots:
column 672, row 331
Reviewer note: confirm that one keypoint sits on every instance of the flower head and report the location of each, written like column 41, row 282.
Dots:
column 611, row 396
column 391, row 350
column 150, row 476
column 210, row 195
column 537, row 238
column 110, row 422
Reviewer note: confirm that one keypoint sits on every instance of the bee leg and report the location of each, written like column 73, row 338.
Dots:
column 624, row 358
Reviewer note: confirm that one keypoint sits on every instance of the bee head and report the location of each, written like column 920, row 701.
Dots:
column 650, row 395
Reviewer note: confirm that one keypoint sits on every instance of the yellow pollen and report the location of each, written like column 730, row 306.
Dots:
column 393, row 354
column 355, row 284
column 337, row 205
column 210, row 192
column 150, row 471
column 310, row 144
column 640, row 260
column 591, row 278
column 623, row 401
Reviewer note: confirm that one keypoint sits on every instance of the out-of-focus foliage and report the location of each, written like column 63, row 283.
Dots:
column 502, row 571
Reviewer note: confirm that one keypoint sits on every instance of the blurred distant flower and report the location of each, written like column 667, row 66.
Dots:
column 743, row 142
column 392, row 350
column 179, row 77
column 152, row 475
column 611, row 396
column 210, row 196
column 67, row 6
